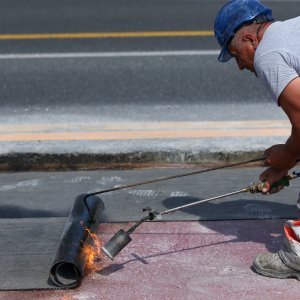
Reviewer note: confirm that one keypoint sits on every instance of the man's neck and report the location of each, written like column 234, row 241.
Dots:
column 262, row 29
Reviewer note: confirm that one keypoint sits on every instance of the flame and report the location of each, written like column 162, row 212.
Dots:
column 67, row 297
column 91, row 250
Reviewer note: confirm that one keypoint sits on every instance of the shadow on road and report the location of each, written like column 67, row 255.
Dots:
column 15, row 211
column 268, row 233
column 267, row 230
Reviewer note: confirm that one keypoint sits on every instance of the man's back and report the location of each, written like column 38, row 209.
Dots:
column 277, row 58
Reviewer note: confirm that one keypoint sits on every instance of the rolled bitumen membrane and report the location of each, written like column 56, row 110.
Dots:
column 69, row 265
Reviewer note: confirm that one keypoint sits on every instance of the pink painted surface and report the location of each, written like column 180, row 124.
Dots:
column 183, row 260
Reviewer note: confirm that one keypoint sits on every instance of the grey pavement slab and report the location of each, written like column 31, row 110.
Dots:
column 28, row 247
column 51, row 194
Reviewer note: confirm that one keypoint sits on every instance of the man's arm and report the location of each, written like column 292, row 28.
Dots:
column 283, row 157
column 290, row 103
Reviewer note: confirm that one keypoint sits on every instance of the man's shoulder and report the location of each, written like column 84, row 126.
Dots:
column 282, row 37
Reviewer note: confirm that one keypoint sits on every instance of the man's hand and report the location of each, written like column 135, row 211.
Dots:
column 270, row 176
column 280, row 162
column 280, row 158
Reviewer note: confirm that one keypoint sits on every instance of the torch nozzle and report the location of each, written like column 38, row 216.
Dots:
column 122, row 238
column 116, row 243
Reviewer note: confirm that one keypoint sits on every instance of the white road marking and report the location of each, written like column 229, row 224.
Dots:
column 179, row 194
column 144, row 193
column 25, row 183
column 109, row 54
column 257, row 208
column 77, row 179
column 109, row 180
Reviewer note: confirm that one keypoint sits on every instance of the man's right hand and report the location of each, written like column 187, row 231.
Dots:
column 270, row 176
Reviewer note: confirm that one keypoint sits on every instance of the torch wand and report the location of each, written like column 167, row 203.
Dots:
column 122, row 238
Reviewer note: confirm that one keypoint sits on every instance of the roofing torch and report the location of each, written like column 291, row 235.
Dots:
column 122, row 238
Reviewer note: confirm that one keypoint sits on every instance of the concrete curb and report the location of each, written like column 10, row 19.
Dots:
column 88, row 161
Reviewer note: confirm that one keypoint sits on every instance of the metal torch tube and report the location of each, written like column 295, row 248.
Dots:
column 202, row 201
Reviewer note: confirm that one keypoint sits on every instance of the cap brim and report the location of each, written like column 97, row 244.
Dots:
column 224, row 55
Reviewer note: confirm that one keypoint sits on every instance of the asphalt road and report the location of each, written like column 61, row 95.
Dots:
column 76, row 16
column 179, row 84
column 113, row 62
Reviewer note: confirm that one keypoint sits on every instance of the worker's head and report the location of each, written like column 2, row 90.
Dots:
column 236, row 28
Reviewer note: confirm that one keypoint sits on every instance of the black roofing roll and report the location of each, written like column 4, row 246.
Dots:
column 69, row 264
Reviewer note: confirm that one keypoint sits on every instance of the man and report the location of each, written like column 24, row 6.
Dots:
column 246, row 30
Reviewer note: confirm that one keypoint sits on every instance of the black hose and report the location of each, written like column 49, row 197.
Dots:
column 166, row 178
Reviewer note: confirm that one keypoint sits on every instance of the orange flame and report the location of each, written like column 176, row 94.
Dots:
column 67, row 297
column 91, row 250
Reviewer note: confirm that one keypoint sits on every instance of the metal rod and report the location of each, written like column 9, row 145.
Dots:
column 202, row 201
column 137, row 224
column 167, row 178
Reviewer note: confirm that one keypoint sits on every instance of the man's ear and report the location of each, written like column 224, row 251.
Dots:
column 250, row 38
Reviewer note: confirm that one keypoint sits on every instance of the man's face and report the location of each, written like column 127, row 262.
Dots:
column 244, row 55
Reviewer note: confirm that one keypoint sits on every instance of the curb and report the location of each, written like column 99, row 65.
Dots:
column 90, row 161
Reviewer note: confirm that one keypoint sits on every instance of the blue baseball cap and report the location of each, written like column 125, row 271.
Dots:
column 232, row 16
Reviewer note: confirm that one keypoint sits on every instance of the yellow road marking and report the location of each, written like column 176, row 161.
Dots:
column 99, row 35
column 85, row 136
column 143, row 130
column 145, row 126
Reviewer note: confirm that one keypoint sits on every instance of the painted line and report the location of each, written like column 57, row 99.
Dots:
column 142, row 135
column 143, row 130
column 93, row 35
column 145, row 126
column 109, row 54
column 102, row 35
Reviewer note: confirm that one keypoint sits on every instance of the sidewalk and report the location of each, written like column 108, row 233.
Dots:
column 183, row 260
column 204, row 252
column 27, row 146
